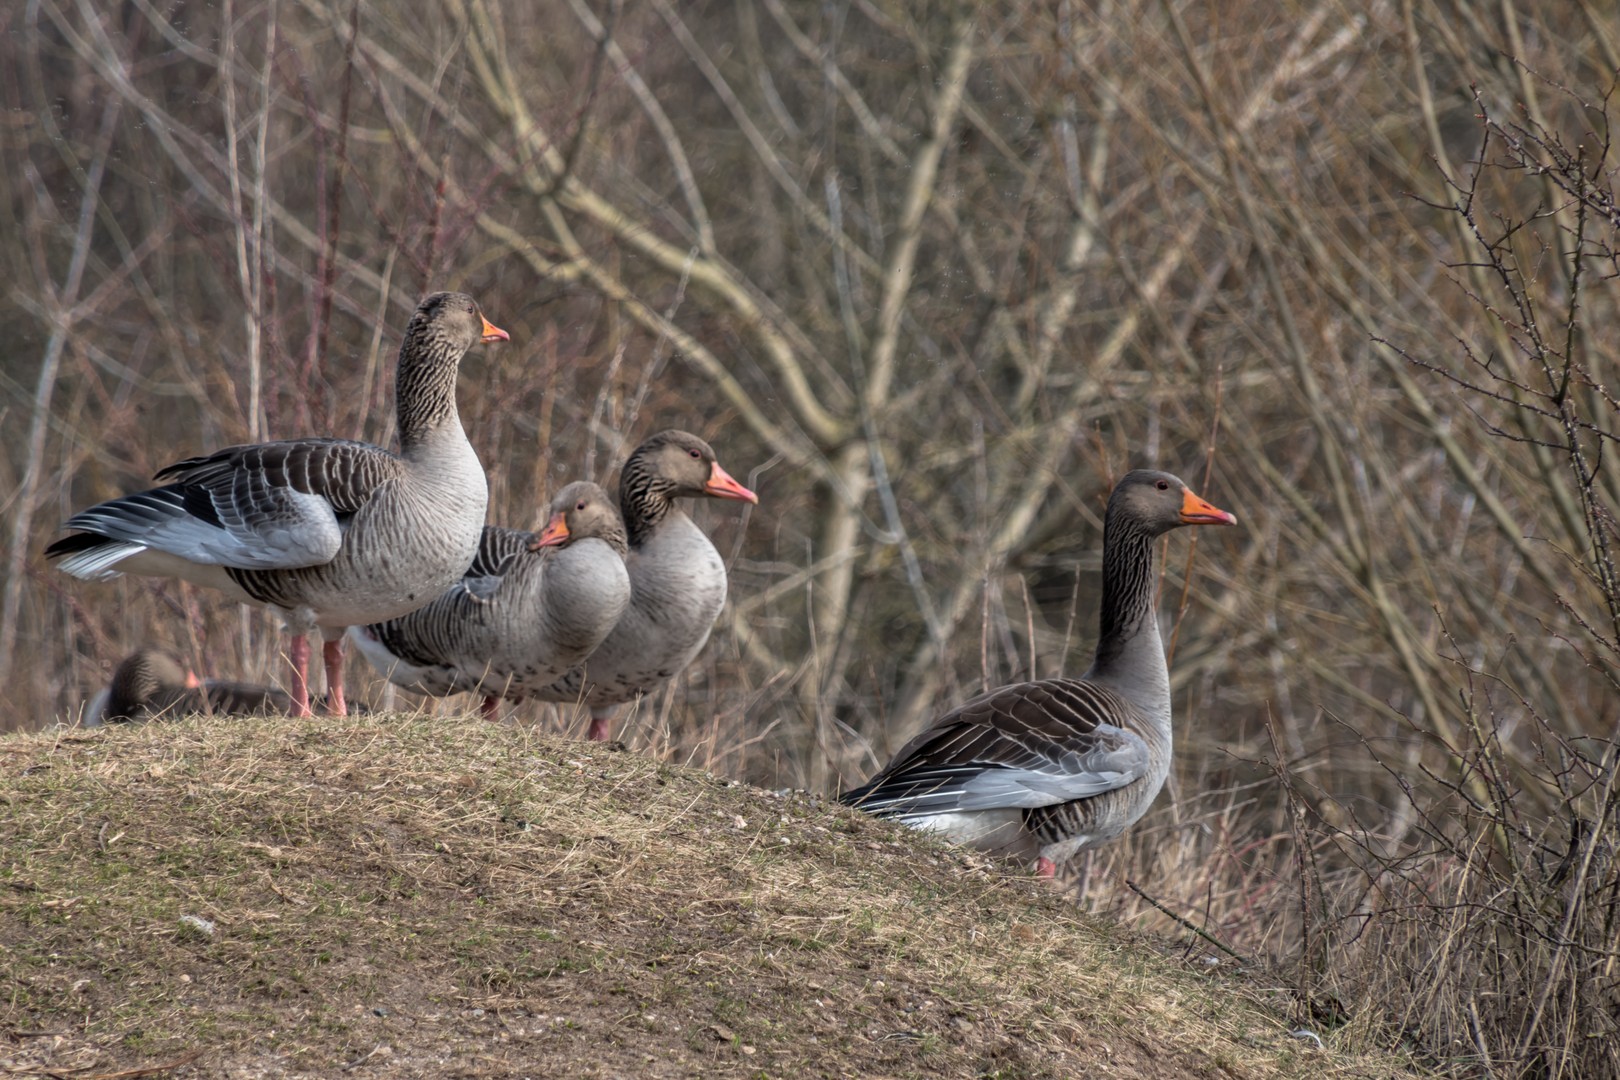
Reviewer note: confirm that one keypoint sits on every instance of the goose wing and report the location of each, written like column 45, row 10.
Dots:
column 267, row 506
column 220, row 697
column 428, row 637
column 227, row 698
column 498, row 549
column 1021, row 746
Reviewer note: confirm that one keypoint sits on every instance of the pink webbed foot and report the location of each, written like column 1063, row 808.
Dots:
column 601, row 727
column 1045, row 868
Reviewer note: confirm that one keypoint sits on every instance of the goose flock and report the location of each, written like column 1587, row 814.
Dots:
column 611, row 600
column 324, row 532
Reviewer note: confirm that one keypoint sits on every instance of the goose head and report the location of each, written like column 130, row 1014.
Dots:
column 142, row 676
column 686, row 466
column 452, row 323
column 581, row 511
column 1157, row 502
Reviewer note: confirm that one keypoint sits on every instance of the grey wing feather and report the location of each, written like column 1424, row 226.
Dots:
column 497, row 549
column 267, row 506
column 1022, row 746
column 343, row 472
column 426, row 637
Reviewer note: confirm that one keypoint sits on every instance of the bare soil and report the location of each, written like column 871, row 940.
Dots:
column 400, row 896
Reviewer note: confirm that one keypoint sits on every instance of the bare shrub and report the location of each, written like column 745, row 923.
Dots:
column 1493, row 925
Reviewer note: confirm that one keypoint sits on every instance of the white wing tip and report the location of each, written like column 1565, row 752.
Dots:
column 100, row 562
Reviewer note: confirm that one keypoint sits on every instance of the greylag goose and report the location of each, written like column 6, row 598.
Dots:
column 149, row 684
column 529, row 608
column 677, row 581
column 1041, row 770
column 327, row 533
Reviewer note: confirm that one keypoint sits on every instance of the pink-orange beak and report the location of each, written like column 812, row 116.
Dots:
column 1195, row 511
column 722, row 486
column 192, row 682
column 555, row 534
column 493, row 332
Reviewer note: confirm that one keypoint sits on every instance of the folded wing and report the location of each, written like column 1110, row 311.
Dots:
column 1022, row 746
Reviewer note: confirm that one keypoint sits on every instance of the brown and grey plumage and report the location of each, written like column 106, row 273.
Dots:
column 1041, row 770
column 326, row 532
column 527, row 610
column 677, row 581
column 149, row 685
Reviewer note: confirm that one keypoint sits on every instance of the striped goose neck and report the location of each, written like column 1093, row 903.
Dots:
column 1129, row 652
column 614, row 538
column 139, row 679
column 425, row 384
column 130, row 692
column 645, row 499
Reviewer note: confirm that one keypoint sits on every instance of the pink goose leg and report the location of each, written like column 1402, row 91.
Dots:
column 298, row 654
column 1045, row 868
column 601, row 725
column 332, row 654
column 490, row 708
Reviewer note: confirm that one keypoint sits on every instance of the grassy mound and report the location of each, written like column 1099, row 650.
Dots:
column 400, row 896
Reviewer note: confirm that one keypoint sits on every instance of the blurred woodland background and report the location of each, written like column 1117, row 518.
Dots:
column 930, row 276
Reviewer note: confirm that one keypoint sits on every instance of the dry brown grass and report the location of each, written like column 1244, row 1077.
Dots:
column 446, row 897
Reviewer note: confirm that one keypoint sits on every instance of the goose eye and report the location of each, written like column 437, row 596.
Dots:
column 579, row 506
column 1163, row 485
column 694, row 454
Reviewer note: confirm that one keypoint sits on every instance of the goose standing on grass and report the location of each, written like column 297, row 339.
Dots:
column 677, row 581
column 327, row 533
column 149, row 684
column 528, row 609
column 1041, row 770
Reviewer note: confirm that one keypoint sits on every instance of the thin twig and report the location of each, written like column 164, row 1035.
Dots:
column 1137, row 889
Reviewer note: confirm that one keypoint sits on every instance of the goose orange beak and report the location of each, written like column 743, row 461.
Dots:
column 493, row 332
column 1195, row 511
column 722, row 486
column 192, row 682
column 555, row 534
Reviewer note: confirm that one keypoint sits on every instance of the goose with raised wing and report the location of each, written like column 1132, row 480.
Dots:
column 327, row 533
column 677, row 580
column 1043, row 769
column 528, row 609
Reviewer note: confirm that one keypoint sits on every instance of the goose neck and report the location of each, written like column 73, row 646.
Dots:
column 644, row 502
column 1130, row 655
column 425, row 389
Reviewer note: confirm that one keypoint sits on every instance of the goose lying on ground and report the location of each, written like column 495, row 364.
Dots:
column 529, row 608
column 149, row 684
column 1041, row 770
column 152, row 685
column 327, row 533
column 677, row 581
